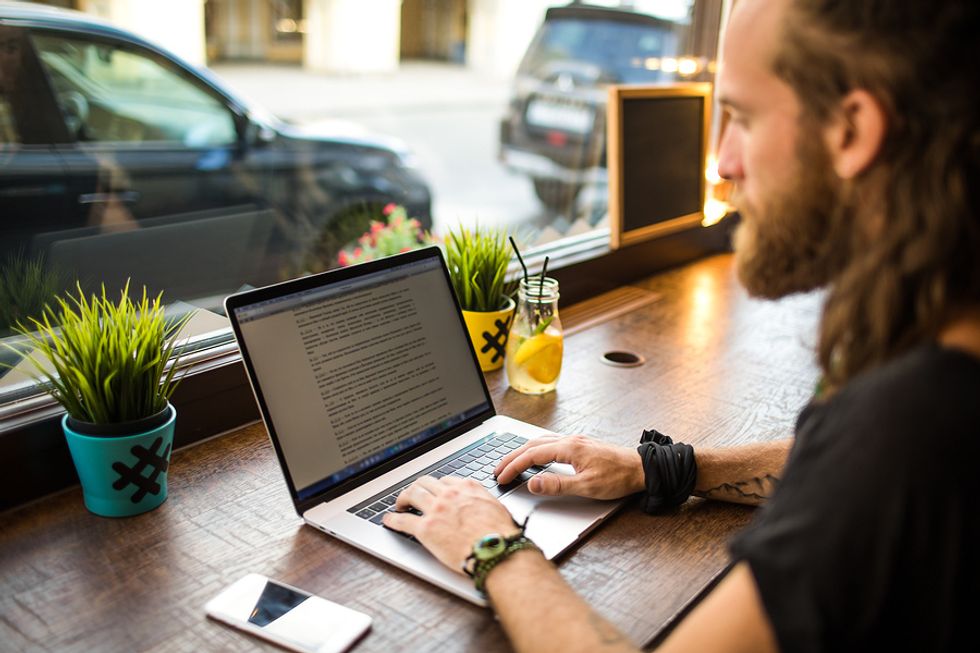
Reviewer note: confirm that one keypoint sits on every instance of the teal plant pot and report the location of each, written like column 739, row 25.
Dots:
column 125, row 475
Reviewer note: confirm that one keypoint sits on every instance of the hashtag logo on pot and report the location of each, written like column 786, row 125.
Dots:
column 497, row 340
column 146, row 459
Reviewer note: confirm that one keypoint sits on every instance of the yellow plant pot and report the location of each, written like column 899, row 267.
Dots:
column 488, row 332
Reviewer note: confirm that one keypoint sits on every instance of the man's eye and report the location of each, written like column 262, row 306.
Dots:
column 736, row 118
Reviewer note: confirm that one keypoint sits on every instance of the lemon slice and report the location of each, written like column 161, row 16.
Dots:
column 540, row 356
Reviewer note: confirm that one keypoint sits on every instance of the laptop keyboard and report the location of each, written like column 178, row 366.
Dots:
column 476, row 461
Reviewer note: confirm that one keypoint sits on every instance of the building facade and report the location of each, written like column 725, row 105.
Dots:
column 335, row 36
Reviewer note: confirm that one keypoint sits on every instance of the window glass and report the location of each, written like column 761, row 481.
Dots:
column 9, row 54
column 288, row 23
column 619, row 50
column 324, row 133
column 8, row 130
column 110, row 94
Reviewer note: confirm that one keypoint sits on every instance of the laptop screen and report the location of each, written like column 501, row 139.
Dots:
column 356, row 370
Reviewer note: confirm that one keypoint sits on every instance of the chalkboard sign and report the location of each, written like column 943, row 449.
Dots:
column 657, row 143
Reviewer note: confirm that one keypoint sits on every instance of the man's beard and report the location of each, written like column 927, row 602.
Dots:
column 797, row 240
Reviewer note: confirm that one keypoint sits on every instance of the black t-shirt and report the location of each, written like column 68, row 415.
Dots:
column 871, row 539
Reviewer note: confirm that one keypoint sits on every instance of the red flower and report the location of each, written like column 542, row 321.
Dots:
column 357, row 252
column 389, row 207
column 404, row 249
column 342, row 258
column 376, row 226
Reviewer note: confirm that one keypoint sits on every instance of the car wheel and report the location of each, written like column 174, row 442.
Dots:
column 554, row 194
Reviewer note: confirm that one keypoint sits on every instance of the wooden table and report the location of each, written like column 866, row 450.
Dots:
column 721, row 369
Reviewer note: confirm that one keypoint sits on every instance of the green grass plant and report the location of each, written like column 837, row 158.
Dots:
column 477, row 259
column 110, row 358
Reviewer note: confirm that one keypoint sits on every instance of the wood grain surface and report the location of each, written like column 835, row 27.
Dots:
column 720, row 369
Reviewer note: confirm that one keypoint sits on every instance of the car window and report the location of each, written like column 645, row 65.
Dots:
column 110, row 94
column 8, row 130
column 620, row 50
column 9, row 60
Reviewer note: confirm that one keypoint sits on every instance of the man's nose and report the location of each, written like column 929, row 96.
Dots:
column 729, row 157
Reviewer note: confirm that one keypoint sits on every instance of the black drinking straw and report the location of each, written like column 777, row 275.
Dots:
column 544, row 270
column 537, row 314
column 520, row 260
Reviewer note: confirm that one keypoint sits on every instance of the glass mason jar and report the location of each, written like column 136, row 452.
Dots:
column 535, row 344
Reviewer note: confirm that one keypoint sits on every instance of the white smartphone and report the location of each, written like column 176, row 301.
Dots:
column 287, row 616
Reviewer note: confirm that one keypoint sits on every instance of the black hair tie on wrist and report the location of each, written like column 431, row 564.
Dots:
column 669, row 469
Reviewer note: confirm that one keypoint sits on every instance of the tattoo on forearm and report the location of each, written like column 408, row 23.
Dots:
column 754, row 490
column 608, row 635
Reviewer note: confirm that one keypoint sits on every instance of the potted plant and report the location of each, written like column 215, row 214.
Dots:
column 108, row 364
column 477, row 259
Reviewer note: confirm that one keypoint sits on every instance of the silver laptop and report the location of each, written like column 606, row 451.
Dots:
column 366, row 380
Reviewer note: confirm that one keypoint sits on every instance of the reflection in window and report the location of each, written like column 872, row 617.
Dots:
column 617, row 50
column 553, row 132
column 287, row 20
column 189, row 188
column 109, row 94
column 8, row 130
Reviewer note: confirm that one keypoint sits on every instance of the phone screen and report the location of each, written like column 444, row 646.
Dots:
column 275, row 602
column 288, row 616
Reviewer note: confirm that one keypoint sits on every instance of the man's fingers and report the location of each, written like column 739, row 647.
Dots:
column 418, row 495
column 430, row 483
column 546, row 452
column 405, row 522
column 541, row 453
column 551, row 484
column 451, row 480
column 536, row 442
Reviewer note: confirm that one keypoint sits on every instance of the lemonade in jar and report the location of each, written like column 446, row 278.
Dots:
column 535, row 344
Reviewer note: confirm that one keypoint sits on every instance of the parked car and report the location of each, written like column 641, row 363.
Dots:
column 118, row 158
column 554, row 128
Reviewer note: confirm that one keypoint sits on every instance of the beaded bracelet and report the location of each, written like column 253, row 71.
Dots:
column 478, row 569
column 484, row 568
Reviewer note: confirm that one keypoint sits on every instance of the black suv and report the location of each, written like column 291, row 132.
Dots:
column 554, row 130
column 118, row 159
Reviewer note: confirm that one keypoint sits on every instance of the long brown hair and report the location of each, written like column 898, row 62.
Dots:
column 911, row 273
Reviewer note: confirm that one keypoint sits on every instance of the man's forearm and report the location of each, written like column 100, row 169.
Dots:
column 531, row 598
column 540, row 612
column 746, row 474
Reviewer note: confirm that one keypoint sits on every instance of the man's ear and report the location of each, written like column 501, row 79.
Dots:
column 855, row 133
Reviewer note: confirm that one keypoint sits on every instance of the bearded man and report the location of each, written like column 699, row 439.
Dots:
column 854, row 146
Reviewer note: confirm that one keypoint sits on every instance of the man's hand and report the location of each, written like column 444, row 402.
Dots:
column 456, row 513
column 602, row 470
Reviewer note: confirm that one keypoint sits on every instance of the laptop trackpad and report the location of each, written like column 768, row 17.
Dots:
column 556, row 522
